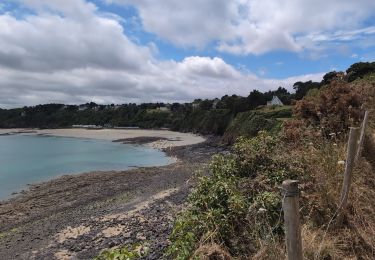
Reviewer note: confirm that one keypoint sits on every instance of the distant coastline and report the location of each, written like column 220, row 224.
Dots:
column 159, row 139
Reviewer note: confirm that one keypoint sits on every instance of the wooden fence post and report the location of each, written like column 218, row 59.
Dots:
column 362, row 136
column 293, row 238
column 349, row 165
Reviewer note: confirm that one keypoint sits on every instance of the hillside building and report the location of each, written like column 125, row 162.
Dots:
column 275, row 102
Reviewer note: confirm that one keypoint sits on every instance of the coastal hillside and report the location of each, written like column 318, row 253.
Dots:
column 235, row 211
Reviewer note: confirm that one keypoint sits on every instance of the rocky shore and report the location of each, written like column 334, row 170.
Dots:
column 77, row 216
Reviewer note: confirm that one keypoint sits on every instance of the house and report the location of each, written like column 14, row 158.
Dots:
column 275, row 102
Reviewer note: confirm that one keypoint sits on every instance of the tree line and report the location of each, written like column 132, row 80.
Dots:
column 207, row 116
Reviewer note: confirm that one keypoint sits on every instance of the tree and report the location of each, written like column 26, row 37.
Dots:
column 358, row 70
column 329, row 77
column 206, row 104
column 302, row 88
column 255, row 99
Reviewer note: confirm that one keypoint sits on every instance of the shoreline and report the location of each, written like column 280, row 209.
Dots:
column 160, row 138
column 140, row 202
column 155, row 139
column 77, row 216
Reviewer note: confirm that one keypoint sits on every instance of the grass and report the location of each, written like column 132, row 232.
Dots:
column 267, row 109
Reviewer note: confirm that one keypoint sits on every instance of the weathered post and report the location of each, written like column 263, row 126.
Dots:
column 349, row 166
column 362, row 135
column 293, row 238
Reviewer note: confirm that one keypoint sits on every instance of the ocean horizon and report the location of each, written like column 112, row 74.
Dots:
column 26, row 159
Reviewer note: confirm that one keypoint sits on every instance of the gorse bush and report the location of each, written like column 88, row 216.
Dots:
column 223, row 211
column 332, row 110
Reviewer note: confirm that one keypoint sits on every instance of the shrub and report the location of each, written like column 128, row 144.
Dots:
column 333, row 110
column 226, row 206
column 124, row 253
column 248, row 124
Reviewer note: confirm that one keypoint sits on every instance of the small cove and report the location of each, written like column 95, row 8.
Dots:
column 26, row 159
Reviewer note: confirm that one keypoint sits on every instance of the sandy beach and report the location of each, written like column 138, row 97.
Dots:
column 167, row 138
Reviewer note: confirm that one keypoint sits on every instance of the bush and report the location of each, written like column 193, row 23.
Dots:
column 225, row 210
column 124, row 253
column 248, row 124
column 333, row 110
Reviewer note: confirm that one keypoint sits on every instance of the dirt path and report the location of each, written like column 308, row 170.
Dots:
column 75, row 217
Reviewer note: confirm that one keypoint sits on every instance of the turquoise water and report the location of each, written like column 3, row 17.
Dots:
column 31, row 159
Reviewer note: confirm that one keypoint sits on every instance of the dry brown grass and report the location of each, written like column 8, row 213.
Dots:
column 323, row 238
column 320, row 194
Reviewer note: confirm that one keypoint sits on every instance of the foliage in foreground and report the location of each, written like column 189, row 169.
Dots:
column 124, row 253
column 238, row 205
column 235, row 211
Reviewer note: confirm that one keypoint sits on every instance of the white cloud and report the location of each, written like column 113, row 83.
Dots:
column 186, row 23
column 80, row 38
column 70, row 52
column 206, row 67
column 194, row 77
column 255, row 26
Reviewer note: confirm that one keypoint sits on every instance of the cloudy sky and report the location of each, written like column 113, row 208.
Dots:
column 117, row 51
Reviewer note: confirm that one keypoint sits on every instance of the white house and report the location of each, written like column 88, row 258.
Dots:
column 275, row 102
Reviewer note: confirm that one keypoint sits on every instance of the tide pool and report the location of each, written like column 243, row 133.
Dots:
column 31, row 159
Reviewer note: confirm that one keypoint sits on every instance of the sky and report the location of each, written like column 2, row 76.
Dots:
column 121, row 51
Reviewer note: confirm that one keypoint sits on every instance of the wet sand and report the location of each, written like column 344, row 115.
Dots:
column 166, row 138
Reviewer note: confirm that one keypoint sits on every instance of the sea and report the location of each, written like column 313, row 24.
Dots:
column 27, row 159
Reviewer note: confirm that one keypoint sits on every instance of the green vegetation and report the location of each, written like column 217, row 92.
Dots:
column 124, row 253
column 225, row 206
column 235, row 209
column 217, row 116
column 249, row 123
column 201, row 116
column 204, row 121
column 359, row 70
